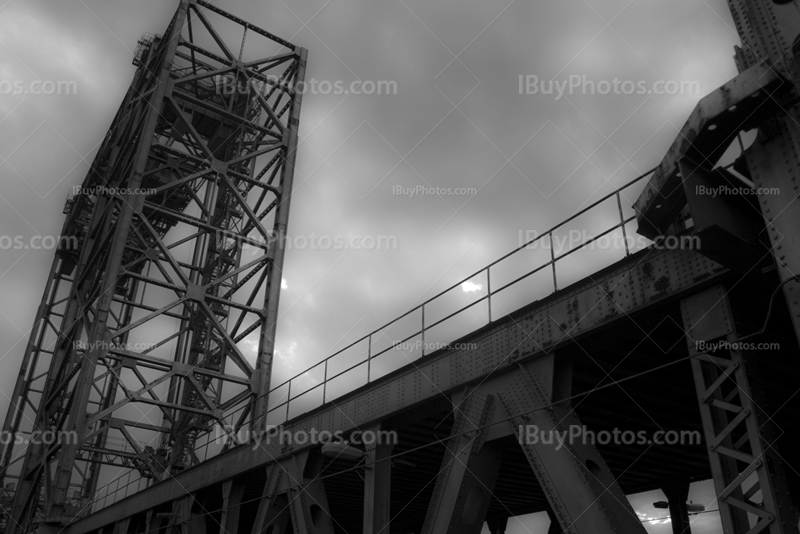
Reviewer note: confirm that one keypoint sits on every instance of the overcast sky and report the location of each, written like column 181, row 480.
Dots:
column 457, row 120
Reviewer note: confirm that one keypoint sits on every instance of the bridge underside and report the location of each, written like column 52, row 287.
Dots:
column 663, row 400
column 695, row 347
column 628, row 367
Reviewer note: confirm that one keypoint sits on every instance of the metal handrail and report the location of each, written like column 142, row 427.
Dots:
column 421, row 307
column 101, row 498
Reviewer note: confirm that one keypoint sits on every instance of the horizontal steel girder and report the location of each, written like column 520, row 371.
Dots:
column 741, row 104
column 629, row 286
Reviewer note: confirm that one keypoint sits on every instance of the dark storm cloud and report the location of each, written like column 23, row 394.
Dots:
column 456, row 121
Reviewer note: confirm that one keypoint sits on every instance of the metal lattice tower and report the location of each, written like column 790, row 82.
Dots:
column 170, row 298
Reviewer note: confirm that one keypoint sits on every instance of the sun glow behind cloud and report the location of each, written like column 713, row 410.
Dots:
column 470, row 287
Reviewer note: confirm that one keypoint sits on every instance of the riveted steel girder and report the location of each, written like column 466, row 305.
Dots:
column 630, row 286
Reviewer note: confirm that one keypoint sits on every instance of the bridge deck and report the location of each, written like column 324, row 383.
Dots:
column 615, row 324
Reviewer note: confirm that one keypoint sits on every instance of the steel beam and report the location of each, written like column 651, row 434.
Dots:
column 308, row 502
column 774, row 161
column 273, row 287
column 740, row 104
column 232, row 492
column 377, row 486
column 769, row 32
column 765, row 96
column 751, row 494
column 583, row 493
column 35, row 469
column 627, row 288
column 469, row 469
column 677, row 495
column 273, row 507
column 579, row 486
column 726, row 228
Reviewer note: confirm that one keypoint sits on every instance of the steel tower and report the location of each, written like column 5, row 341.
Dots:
column 153, row 343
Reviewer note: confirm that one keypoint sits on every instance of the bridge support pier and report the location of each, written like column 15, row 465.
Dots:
column 469, row 469
column 308, row 506
column 377, row 487
column 121, row 526
column 273, row 514
column 308, row 502
column 677, row 493
column 231, row 506
column 149, row 526
column 582, row 491
column 746, row 470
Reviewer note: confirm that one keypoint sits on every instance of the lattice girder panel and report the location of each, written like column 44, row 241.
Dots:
column 751, row 491
column 163, row 323
column 69, row 307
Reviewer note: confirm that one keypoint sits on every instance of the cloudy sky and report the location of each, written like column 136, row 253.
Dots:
column 458, row 119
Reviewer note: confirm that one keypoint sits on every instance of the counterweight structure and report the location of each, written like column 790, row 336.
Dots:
column 153, row 343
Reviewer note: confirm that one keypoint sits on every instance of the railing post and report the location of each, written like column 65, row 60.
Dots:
column 288, row 400
column 553, row 262
column 622, row 223
column 423, row 330
column 489, row 290
column 369, row 357
column 325, row 382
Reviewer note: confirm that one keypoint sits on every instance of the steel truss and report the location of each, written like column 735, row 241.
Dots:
column 752, row 493
column 153, row 343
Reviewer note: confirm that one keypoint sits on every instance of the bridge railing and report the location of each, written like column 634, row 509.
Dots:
column 365, row 353
column 369, row 355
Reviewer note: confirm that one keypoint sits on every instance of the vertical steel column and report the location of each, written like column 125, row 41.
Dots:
column 181, row 516
column 377, row 486
column 746, row 476
column 232, row 492
column 775, row 168
column 270, row 322
column 677, row 494
column 768, row 31
column 270, row 511
column 469, row 469
column 308, row 502
column 121, row 526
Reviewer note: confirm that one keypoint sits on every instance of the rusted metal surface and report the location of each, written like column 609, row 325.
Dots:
column 775, row 164
column 740, row 104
